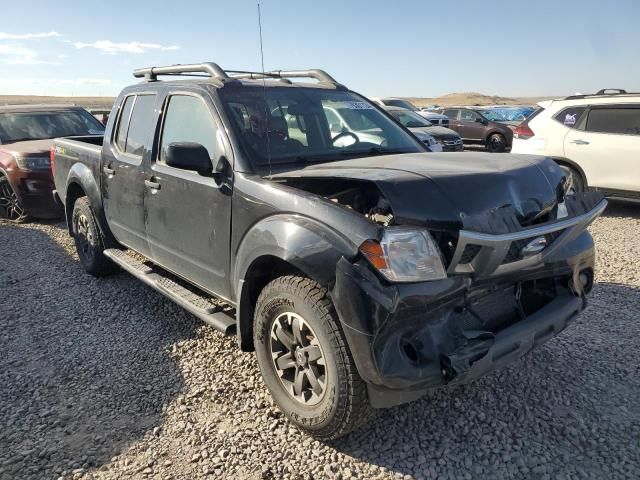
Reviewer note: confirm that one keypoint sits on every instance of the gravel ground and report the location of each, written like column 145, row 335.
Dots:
column 104, row 378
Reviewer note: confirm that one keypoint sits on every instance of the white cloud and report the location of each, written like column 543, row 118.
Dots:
column 107, row 46
column 17, row 55
column 58, row 86
column 28, row 36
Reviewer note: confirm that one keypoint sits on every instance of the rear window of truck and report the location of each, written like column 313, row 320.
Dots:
column 134, row 123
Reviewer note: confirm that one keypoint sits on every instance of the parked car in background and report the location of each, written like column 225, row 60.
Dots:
column 434, row 117
column 101, row 114
column 475, row 128
column 450, row 140
column 344, row 119
column 362, row 276
column 26, row 133
column 594, row 137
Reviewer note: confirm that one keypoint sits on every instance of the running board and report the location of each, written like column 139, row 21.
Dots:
column 208, row 309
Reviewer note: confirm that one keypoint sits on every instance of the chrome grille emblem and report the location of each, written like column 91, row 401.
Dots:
column 534, row 246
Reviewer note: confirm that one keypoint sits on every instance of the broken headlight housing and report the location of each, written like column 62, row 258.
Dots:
column 405, row 255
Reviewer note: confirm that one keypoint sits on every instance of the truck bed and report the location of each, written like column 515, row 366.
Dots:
column 77, row 154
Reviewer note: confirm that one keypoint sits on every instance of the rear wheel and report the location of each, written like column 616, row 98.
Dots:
column 90, row 242
column 11, row 208
column 305, row 361
column 496, row 143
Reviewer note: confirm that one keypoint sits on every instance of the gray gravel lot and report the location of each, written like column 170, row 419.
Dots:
column 104, row 378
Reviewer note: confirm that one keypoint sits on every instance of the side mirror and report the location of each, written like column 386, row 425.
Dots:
column 479, row 120
column 188, row 156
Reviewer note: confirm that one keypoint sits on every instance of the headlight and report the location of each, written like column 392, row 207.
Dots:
column 33, row 163
column 405, row 255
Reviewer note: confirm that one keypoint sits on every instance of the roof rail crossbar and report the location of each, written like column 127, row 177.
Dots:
column 212, row 70
column 315, row 73
column 604, row 91
column 600, row 93
column 220, row 76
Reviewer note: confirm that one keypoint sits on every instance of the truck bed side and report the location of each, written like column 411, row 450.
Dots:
column 76, row 170
column 74, row 152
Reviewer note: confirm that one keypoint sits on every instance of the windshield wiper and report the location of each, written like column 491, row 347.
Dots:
column 372, row 151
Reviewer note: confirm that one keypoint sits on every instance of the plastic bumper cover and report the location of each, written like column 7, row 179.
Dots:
column 408, row 338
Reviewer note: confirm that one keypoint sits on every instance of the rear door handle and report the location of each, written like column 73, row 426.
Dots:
column 580, row 142
column 151, row 184
column 109, row 171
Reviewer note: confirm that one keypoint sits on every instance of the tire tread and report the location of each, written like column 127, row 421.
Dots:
column 355, row 411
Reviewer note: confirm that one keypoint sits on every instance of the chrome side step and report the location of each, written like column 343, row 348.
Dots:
column 208, row 309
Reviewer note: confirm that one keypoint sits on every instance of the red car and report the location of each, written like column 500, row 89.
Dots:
column 26, row 137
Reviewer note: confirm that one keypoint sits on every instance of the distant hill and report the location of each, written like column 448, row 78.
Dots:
column 465, row 98
column 474, row 98
column 87, row 102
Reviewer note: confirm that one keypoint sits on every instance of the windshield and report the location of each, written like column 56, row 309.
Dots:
column 410, row 119
column 22, row 126
column 311, row 125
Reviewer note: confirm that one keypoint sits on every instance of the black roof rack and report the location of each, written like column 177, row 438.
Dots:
column 221, row 77
column 605, row 92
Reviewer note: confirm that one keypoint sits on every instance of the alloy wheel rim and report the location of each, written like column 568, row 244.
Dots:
column 84, row 236
column 496, row 141
column 9, row 202
column 298, row 358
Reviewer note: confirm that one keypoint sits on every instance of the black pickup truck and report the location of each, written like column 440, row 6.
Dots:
column 363, row 272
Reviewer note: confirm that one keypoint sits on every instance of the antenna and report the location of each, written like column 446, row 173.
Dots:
column 264, row 91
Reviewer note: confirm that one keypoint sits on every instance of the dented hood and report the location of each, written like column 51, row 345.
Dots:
column 485, row 192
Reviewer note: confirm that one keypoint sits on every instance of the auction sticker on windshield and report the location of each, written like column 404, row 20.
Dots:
column 355, row 105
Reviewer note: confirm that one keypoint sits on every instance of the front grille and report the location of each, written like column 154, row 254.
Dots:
column 517, row 245
column 489, row 254
column 444, row 123
column 469, row 253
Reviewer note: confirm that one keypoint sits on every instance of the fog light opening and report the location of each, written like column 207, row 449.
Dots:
column 410, row 351
column 586, row 280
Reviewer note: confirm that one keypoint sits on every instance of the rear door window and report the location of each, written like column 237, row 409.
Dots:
column 123, row 123
column 570, row 117
column 618, row 120
column 451, row 113
column 140, row 125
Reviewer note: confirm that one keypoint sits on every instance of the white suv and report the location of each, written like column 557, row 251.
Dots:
column 595, row 137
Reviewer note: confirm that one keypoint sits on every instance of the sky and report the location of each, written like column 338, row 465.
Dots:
column 378, row 48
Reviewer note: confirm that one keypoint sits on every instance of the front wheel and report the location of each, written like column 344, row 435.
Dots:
column 576, row 185
column 11, row 208
column 496, row 143
column 305, row 361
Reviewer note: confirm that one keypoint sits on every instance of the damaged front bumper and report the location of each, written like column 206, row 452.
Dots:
column 408, row 338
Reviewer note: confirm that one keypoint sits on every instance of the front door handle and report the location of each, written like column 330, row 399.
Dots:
column 580, row 142
column 108, row 170
column 151, row 184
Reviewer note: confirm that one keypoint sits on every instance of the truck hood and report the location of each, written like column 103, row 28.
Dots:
column 484, row 192
column 30, row 147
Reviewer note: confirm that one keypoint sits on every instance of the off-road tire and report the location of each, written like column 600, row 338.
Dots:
column 89, row 240
column 344, row 406
column 11, row 210
column 496, row 143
